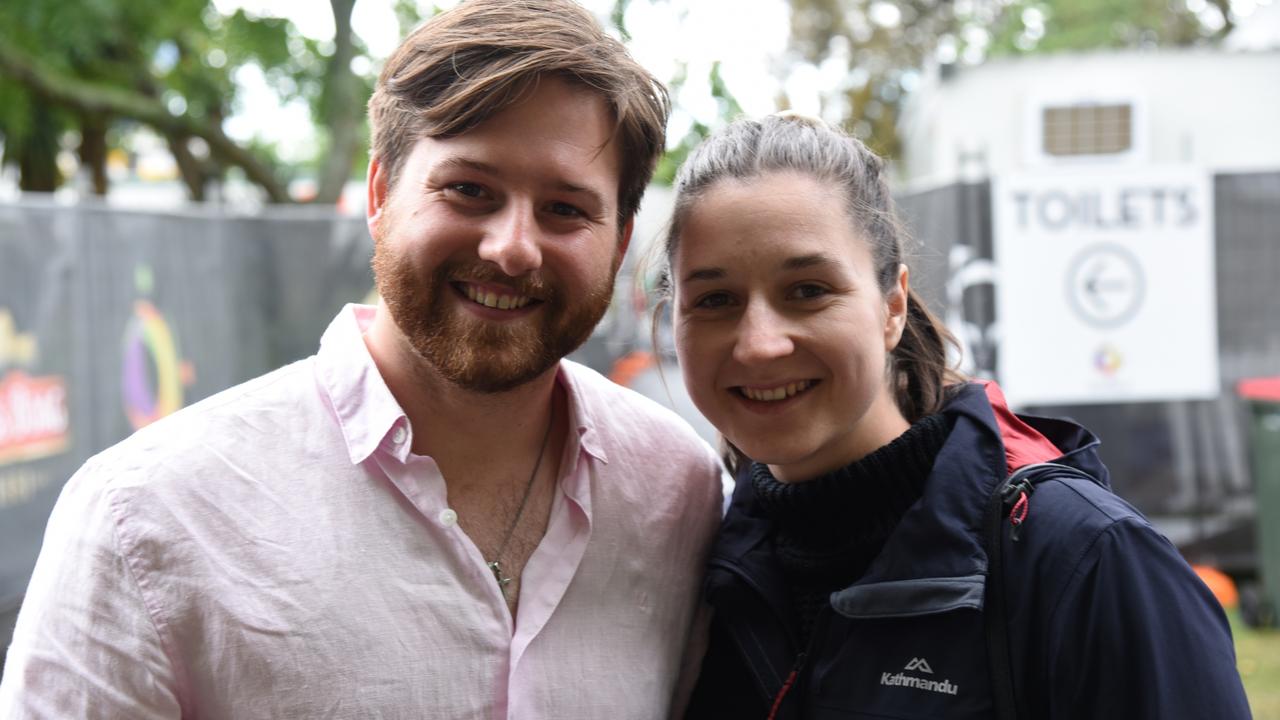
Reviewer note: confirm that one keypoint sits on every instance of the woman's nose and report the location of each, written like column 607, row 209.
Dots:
column 762, row 335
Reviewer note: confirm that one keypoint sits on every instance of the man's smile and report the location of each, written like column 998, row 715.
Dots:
column 494, row 296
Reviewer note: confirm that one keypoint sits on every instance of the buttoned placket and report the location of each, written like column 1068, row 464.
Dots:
column 554, row 562
column 418, row 478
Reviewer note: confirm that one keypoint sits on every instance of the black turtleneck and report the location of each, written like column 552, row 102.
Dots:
column 826, row 531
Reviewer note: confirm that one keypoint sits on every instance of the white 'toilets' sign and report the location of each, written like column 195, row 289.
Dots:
column 1106, row 286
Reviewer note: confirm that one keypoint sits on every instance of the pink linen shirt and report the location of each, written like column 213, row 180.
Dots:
column 277, row 551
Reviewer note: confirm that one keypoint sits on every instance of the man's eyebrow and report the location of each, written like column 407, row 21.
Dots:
column 457, row 162
column 462, row 163
column 594, row 198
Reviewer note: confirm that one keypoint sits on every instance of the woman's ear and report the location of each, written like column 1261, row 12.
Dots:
column 896, row 309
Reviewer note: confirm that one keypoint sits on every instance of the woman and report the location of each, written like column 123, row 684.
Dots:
column 852, row 577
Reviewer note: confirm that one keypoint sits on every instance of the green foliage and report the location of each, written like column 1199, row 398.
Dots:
column 618, row 16
column 409, row 15
column 1039, row 26
column 727, row 109
column 182, row 55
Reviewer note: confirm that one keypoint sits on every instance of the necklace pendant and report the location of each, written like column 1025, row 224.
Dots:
column 499, row 576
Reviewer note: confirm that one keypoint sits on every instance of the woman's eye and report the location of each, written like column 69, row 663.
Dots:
column 807, row 291
column 712, row 301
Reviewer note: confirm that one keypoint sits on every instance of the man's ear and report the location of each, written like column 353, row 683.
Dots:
column 624, row 240
column 376, row 195
column 896, row 309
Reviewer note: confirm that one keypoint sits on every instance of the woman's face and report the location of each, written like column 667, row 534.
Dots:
column 781, row 329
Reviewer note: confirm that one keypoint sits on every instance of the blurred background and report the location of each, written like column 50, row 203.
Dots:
column 1093, row 187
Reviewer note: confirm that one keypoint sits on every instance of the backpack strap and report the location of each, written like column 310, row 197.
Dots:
column 1011, row 498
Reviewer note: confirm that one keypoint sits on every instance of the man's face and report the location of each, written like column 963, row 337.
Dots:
column 496, row 250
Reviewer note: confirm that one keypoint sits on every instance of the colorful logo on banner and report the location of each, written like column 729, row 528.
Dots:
column 153, row 375
column 34, row 420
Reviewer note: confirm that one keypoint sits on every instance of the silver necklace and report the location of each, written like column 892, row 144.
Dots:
column 502, row 578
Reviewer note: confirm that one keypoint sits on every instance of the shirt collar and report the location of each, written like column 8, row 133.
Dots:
column 581, row 412
column 370, row 416
column 367, row 411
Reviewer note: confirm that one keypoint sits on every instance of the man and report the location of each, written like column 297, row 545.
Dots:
column 435, row 516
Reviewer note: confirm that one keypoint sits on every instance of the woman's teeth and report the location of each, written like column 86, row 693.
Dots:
column 782, row 392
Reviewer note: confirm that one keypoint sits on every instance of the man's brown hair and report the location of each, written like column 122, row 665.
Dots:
column 466, row 64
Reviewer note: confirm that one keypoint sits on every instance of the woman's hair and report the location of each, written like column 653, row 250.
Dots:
column 918, row 369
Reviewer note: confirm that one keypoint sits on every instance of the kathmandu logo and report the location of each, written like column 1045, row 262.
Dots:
column 918, row 665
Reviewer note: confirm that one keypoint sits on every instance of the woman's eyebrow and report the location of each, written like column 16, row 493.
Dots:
column 799, row 262
column 712, row 273
column 802, row 262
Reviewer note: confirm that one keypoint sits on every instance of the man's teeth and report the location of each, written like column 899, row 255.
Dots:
column 782, row 392
column 494, row 300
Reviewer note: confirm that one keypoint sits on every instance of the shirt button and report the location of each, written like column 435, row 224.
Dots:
column 397, row 436
column 448, row 517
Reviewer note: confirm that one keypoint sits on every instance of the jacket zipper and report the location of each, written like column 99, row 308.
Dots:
column 786, row 686
column 798, row 665
column 751, row 584
column 819, row 631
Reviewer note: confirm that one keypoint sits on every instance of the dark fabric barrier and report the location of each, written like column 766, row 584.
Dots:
column 46, row 427
column 117, row 318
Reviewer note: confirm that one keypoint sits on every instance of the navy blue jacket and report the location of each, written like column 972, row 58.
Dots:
column 1105, row 618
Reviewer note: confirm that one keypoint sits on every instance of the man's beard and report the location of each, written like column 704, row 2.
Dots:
column 475, row 354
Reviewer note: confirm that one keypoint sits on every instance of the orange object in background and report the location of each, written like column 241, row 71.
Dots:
column 1220, row 584
column 626, row 368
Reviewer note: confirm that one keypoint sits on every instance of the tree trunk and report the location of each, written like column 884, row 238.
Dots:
column 93, row 150
column 191, row 169
column 38, row 155
column 341, row 113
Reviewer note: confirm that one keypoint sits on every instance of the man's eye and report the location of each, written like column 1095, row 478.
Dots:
column 565, row 210
column 713, row 301
column 807, row 291
column 470, row 190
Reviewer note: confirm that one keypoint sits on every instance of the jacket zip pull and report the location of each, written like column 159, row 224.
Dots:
column 1021, row 507
column 786, row 686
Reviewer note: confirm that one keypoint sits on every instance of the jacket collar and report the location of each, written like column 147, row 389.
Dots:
column 934, row 560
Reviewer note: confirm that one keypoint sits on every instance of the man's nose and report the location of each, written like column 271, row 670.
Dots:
column 513, row 241
column 763, row 334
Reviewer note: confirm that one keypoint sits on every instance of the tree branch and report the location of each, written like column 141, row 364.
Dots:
column 87, row 97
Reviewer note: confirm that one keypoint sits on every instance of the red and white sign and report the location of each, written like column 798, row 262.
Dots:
column 34, row 421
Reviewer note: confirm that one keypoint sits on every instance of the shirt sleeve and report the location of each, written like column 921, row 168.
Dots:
column 85, row 644
column 1138, row 635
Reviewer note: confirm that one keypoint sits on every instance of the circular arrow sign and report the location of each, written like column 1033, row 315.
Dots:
column 1105, row 285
